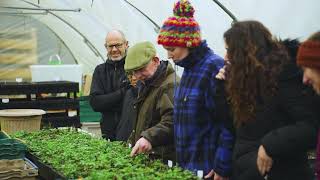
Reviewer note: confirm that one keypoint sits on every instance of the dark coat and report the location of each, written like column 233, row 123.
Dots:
column 128, row 115
column 286, row 126
column 155, row 112
column 223, row 111
column 109, row 84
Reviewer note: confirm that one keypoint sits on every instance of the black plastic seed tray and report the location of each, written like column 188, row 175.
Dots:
column 54, row 122
column 57, row 87
column 45, row 171
column 10, row 88
column 20, row 104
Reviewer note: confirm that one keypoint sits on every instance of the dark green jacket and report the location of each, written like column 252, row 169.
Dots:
column 155, row 112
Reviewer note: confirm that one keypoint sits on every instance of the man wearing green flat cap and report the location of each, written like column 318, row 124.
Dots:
column 153, row 126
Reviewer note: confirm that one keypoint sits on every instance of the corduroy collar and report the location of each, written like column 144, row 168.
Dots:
column 156, row 80
column 196, row 55
column 162, row 72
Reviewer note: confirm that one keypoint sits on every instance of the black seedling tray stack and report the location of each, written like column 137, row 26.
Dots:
column 57, row 98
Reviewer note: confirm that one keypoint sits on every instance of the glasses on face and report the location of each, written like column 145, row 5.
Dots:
column 111, row 46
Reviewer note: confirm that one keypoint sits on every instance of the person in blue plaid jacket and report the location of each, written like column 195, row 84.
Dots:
column 203, row 143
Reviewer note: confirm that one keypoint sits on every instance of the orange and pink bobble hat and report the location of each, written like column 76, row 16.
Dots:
column 180, row 30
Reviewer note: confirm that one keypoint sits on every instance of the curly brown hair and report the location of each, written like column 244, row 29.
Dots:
column 255, row 62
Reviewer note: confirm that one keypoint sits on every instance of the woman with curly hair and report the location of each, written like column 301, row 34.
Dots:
column 270, row 106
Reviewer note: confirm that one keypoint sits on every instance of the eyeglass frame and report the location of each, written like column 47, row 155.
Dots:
column 117, row 46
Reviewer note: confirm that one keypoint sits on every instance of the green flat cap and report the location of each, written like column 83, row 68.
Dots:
column 139, row 56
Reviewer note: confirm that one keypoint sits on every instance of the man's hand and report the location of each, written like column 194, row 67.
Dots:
column 264, row 162
column 215, row 176
column 141, row 146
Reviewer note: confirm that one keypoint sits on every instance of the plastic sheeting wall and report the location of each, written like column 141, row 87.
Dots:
column 285, row 18
column 26, row 41
column 83, row 32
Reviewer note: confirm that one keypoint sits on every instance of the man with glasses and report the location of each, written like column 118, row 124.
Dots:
column 153, row 124
column 109, row 84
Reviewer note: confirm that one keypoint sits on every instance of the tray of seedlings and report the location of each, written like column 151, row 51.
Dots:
column 73, row 154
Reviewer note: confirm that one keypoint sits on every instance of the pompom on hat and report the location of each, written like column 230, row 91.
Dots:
column 309, row 54
column 182, row 29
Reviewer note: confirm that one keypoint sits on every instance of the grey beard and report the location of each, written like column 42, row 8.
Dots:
column 118, row 59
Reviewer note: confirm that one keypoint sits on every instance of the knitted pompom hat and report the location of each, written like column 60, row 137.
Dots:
column 182, row 29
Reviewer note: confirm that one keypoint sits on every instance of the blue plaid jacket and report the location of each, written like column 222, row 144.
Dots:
column 202, row 141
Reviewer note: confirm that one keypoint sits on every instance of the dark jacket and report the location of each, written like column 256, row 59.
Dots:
column 155, row 112
column 109, row 84
column 128, row 115
column 223, row 111
column 203, row 142
column 286, row 127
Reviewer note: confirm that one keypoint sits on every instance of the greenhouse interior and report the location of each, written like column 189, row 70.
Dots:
column 132, row 89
